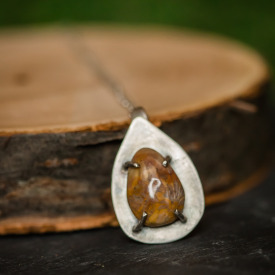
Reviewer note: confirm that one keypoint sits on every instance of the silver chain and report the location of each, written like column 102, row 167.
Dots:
column 88, row 58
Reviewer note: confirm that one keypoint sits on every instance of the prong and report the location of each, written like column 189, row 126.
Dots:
column 130, row 164
column 166, row 161
column 180, row 216
column 137, row 228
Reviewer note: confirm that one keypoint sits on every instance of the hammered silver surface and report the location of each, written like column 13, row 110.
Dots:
column 141, row 134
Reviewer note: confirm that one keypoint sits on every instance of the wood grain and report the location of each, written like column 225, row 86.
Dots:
column 46, row 88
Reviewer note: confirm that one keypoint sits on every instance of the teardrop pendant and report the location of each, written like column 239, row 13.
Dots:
column 156, row 191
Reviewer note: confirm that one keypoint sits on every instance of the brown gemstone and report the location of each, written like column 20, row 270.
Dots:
column 154, row 189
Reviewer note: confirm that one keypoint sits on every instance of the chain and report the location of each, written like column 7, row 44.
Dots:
column 90, row 60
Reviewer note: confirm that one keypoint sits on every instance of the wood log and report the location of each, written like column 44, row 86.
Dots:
column 60, row 126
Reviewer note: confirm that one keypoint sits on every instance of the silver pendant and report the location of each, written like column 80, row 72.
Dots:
column 143, row 134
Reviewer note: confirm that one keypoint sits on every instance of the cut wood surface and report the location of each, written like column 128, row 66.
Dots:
column 45, row 86
column 61, row 126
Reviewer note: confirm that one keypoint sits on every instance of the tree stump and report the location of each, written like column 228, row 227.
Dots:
column 61, row 126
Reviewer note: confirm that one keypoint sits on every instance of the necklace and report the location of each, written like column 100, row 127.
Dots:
column 156, row 191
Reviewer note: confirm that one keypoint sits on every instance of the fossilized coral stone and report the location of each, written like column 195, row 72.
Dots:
column 154, row 189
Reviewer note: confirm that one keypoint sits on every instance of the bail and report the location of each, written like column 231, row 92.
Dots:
column 138, row 112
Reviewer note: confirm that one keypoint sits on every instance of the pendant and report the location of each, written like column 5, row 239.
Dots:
column 156, row 191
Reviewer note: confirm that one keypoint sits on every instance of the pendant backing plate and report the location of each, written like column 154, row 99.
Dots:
column 143, row 134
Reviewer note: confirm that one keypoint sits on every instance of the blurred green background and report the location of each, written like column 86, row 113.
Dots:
column 252, row 22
